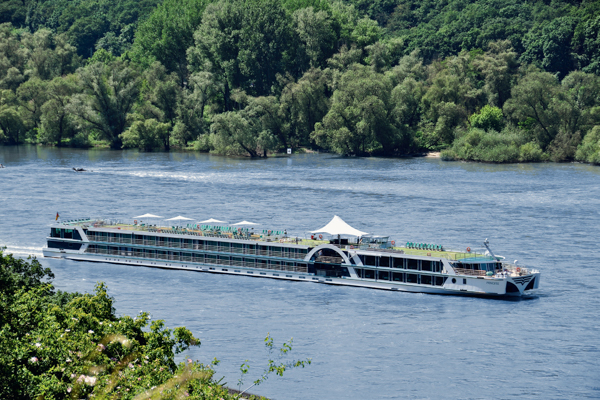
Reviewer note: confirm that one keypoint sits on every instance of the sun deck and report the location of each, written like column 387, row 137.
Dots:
column 268, row 235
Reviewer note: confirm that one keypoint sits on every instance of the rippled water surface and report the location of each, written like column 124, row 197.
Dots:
column 365, row 344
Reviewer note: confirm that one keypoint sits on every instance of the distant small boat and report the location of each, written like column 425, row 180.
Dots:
column 78, row 169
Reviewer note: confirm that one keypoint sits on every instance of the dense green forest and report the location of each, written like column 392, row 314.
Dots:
column 61, row 345
column 483, row 80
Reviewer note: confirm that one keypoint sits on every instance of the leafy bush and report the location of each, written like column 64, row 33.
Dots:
column 488, row 118
column 589, row 150
column 479, row 145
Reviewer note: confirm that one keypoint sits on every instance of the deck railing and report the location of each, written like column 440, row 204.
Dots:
column 470, row 272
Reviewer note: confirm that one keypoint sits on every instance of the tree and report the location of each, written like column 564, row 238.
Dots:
column 230, row 134
column 162, row 95
column 359, row 121
column 109, row 94
column 548, row 45
column 167, row 34
column 499, row 67
column 32, row 95
column 57, row 123
column 192, row 123
column 147, row 134
column 488, row 118
column 49, row 55
column 589, row 150
column 13, row 57
column 316, row 34
column 303, row 104
column 247, row 43
column 12, row 127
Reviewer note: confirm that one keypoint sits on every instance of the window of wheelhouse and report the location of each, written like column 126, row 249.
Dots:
column 55, row 232
column 68, row 233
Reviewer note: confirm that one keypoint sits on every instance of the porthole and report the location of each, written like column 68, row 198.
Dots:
column 453, row 280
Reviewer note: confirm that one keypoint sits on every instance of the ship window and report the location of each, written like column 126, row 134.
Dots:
column 53, row 244
column 68, row 233
column 224, row 260
column 198, row 257
column 249, row 262
column 412, row 278
column 54, row 232
column 358, row 272
column 274, row 264
column 426, row 265
column 412, row 264
column 437, row 266
column 261, row 264
column 211, row 259
column 426, row 279
column 464, row 281
column 370, row 260
column 384, row 262
column 383, row 275
column 397, row 276
column 398, row 262
column 369, row 274
column 439, row 280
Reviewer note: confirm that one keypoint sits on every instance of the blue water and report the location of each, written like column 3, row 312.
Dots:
column 365, row 344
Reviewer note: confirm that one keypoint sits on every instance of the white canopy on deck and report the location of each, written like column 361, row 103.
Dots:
column 212, row 221
column 148, row 216
column 179, row 218
column 337, row 226
column 244, row 223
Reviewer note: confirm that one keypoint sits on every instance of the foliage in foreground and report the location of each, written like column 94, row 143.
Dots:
column 58, row 345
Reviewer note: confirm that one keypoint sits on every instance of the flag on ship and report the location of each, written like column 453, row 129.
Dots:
column 56, row 219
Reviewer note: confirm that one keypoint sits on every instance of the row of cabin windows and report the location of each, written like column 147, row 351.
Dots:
column 197, row 244
column 480, row 266
column 55, row 244
column 198, row 257
column 403, row 263
column 400, row 277
column 65, row 233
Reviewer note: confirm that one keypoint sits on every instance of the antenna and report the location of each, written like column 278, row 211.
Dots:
column 486, row 243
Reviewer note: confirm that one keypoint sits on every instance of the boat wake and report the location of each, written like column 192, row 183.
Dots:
column 24, row 251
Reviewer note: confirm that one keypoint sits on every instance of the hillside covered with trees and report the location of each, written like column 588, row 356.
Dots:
column 485, row 80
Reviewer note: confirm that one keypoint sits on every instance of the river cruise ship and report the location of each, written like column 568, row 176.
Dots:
column 336, row 254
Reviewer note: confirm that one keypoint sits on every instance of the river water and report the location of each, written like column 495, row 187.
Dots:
column 365, row 344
